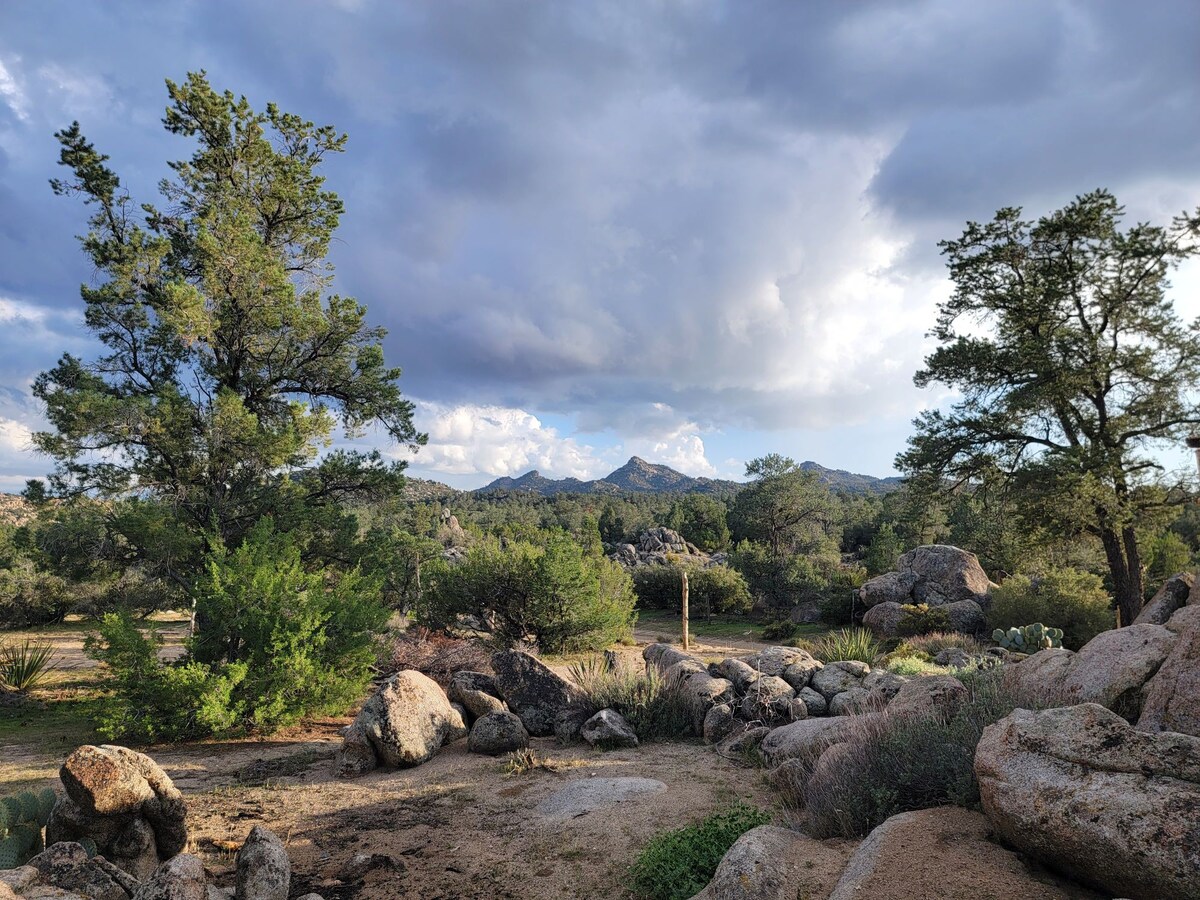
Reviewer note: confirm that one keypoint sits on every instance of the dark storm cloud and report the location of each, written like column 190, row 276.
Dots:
column 722, row 214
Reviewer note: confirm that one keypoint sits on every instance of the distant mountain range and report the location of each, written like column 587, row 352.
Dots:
column 640, row 477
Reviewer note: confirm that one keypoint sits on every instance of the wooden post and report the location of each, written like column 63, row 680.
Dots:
column 685, row 611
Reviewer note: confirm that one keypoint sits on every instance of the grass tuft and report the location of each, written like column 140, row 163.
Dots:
column 654, row 707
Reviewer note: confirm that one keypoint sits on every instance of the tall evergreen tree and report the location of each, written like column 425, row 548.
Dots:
column 1072, row 367
column 226, row 364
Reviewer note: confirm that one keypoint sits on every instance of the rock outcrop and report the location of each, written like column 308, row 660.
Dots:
column 1081, row 790
column 124, row 803
column 1112, row 669
column 1171, row 699
column 533, row 692
column 1176, row 593
column 936, row 575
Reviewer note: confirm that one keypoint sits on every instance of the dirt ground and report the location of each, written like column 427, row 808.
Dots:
column 456, row 827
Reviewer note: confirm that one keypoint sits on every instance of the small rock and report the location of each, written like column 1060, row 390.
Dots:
column 477, row 693
column 179, row 878
column 743, row 742
column 719, row 723
column 356, row 756
column 608, row 729
column 851, row 702
column 497, row 733
column 839, row 676
column 263, row 869
column 814, row 702
column 360, row 864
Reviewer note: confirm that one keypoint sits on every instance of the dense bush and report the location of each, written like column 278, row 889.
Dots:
column 274, row 643
column 551, row 593
column 1068, row 599
column 712, row 590
column 780, row 631
column 656, row 708
column 891, row 764
column 678, row 864
column 29, row 598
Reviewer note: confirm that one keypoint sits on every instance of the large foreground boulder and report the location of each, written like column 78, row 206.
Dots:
column 1110, row 806
column 945, row 854
column 533, row 692
column 124, row 803
column 407, row 720
column 770, row 863
column 1172, row 696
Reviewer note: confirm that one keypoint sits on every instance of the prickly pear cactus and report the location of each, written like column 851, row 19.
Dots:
column 22, row 818
column 1028, row 638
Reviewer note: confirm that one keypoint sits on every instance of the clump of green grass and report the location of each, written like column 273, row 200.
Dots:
column 25, row 666
column 654, row 706
column 913, row 665
column 847, row 643
column 677, row 864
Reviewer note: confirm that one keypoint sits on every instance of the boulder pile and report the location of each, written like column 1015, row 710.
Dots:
column 118, row 833
column 938, row 576
column 121, row 802
column 661, row 546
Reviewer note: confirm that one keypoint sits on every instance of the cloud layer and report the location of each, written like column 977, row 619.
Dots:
column 660, row 224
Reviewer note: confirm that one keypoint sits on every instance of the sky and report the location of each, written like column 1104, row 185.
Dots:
column 696, row 232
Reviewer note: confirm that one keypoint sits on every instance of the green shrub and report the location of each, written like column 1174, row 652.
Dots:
column 1068, row 599
column 711, row 590
column 677, row 864
column 275, row 643
column 912, row 665
column 839, row 606
column 893, row 764
column 780, row 631
column 29, row 598
column 655, row 708
column 847, row 643
column 551, row 593
column 923, row 619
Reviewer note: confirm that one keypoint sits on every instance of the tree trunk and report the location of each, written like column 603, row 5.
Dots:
column 1125, row 566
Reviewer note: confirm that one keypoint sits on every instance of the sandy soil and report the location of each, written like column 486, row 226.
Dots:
column 455, row 827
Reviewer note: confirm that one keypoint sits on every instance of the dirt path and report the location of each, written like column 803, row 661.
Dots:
column 704, row 645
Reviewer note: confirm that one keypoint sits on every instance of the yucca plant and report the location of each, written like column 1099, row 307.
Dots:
column 25, row 666
column 847, row 643
column 654, row 707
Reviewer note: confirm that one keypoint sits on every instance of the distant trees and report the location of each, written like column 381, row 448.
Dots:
column 1071, row 366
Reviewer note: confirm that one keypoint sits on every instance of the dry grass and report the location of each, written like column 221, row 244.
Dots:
column 438, row 655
